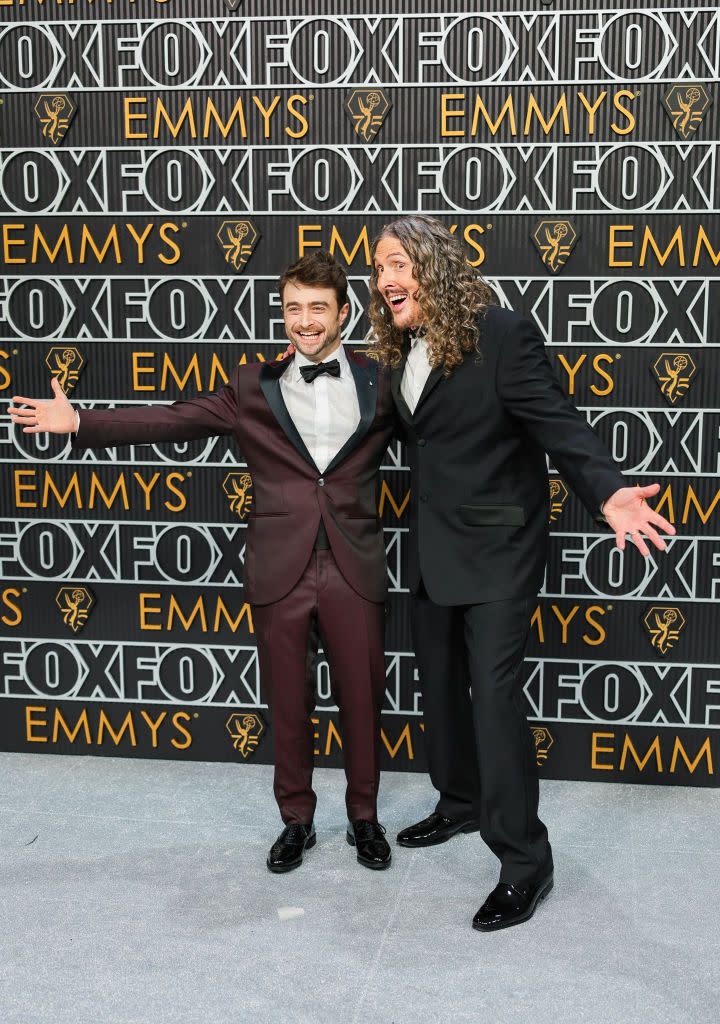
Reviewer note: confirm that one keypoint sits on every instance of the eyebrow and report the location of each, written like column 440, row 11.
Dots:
column 400, row 255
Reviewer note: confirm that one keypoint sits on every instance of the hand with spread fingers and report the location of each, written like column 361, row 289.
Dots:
column 628, row 513
column 38, row 416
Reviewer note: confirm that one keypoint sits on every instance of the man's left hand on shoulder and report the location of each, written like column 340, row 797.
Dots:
column 628, row 513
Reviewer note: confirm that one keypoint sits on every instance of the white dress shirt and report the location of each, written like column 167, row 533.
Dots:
column 326, row 412
column 417, row 371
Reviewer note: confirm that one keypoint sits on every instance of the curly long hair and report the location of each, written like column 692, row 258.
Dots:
column 451, row 294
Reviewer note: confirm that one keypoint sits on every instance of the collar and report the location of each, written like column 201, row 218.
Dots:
column 301, row 360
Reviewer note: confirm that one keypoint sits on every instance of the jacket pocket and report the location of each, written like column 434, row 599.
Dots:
column 492, row 515
column 267, row 515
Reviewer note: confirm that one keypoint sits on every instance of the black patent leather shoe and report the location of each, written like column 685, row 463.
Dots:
column 511, row 904
column 287, row 851
column 436, row 828
column 373, row 850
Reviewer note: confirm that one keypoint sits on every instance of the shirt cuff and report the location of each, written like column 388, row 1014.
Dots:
column 77, row 421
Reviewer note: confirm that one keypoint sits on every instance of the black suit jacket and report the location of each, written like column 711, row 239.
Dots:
column 476, row 447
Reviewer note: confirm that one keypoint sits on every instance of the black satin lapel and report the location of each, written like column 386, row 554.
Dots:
column 396, row 376
column 432, row 381
column 366, row 386
column 270, row 375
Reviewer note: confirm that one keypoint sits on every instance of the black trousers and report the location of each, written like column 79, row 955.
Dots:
column 481, row 754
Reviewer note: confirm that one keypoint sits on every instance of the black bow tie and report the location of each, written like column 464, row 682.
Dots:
column 312, row 370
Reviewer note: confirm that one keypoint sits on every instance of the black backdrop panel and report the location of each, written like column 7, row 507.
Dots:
column 572, row 148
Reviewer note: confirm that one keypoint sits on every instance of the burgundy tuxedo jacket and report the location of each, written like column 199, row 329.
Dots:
column 290, row 494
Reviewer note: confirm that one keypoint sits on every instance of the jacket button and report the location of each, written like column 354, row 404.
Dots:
column 421, row 442
column 321, row 482
column 423, row 497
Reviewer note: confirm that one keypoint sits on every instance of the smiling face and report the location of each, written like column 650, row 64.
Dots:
column 312, row 319
column 397, row 283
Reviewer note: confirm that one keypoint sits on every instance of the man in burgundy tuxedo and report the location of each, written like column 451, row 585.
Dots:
column 313, row 430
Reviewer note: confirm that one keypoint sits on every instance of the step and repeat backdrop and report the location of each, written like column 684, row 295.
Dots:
column 162, row 162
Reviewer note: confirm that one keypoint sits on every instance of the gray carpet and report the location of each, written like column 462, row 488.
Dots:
column 135, row 892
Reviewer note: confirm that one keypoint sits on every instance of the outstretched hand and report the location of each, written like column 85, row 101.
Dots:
column 628, row 512
column 290, row 350
column 52, row 416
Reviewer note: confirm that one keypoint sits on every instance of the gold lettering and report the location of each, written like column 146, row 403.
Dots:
column 147, row 609
column 598, row 749
column 127, row 724
column 628, row 748
column 704, row 751
column 31, row 721
column 591, row 108
column 154, row 725
column 82, row 723
column 447, row 112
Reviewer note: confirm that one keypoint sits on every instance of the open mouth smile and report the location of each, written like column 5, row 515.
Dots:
column 397, row 301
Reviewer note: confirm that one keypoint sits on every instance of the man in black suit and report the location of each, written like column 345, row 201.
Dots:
column 480, row 406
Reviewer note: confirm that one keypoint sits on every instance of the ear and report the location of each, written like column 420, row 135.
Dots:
column 344, row 313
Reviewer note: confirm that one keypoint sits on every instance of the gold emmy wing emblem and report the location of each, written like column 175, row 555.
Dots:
column 687, row 104
column 558, row 497
column 75, row 604
column 543, row 742
column 238, row 487
column 664, row 626
column 674, row 371
column 245, row 730
column 238, row 239
column 367, row 109
column 555, row 240
column 65, row 363
column 55, row 111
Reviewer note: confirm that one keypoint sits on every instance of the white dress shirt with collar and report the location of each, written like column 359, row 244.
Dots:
column 417, row 371
column 326, row 411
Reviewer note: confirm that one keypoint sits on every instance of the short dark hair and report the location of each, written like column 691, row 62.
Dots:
column 321, row 269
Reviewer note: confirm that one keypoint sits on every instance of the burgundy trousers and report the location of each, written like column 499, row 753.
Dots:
column 352, row 634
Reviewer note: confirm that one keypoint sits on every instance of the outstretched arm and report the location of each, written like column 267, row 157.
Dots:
column 181, row 421
column 531, row 392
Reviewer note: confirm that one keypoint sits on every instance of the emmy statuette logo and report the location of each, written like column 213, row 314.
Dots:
column 558, row 497
column 555, row 240
column 674, row 372
column 238, row 488
column 65, row 363
column 74, row 604
column 55, row 111
column 245, row 731
column 664, row 626
column 543, row 742
column 686, row 105
column 367, row 109
column 238, row 239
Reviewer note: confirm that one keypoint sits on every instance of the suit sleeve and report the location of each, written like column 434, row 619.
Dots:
column 531, row 393
column 188, row 420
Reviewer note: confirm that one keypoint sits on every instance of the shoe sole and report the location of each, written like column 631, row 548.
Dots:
column 281, row 869
column 368, row 863
column 417, row 843
column 542, row 894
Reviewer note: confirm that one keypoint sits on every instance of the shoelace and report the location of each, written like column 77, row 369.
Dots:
column 296, row 833
column 366, row 829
